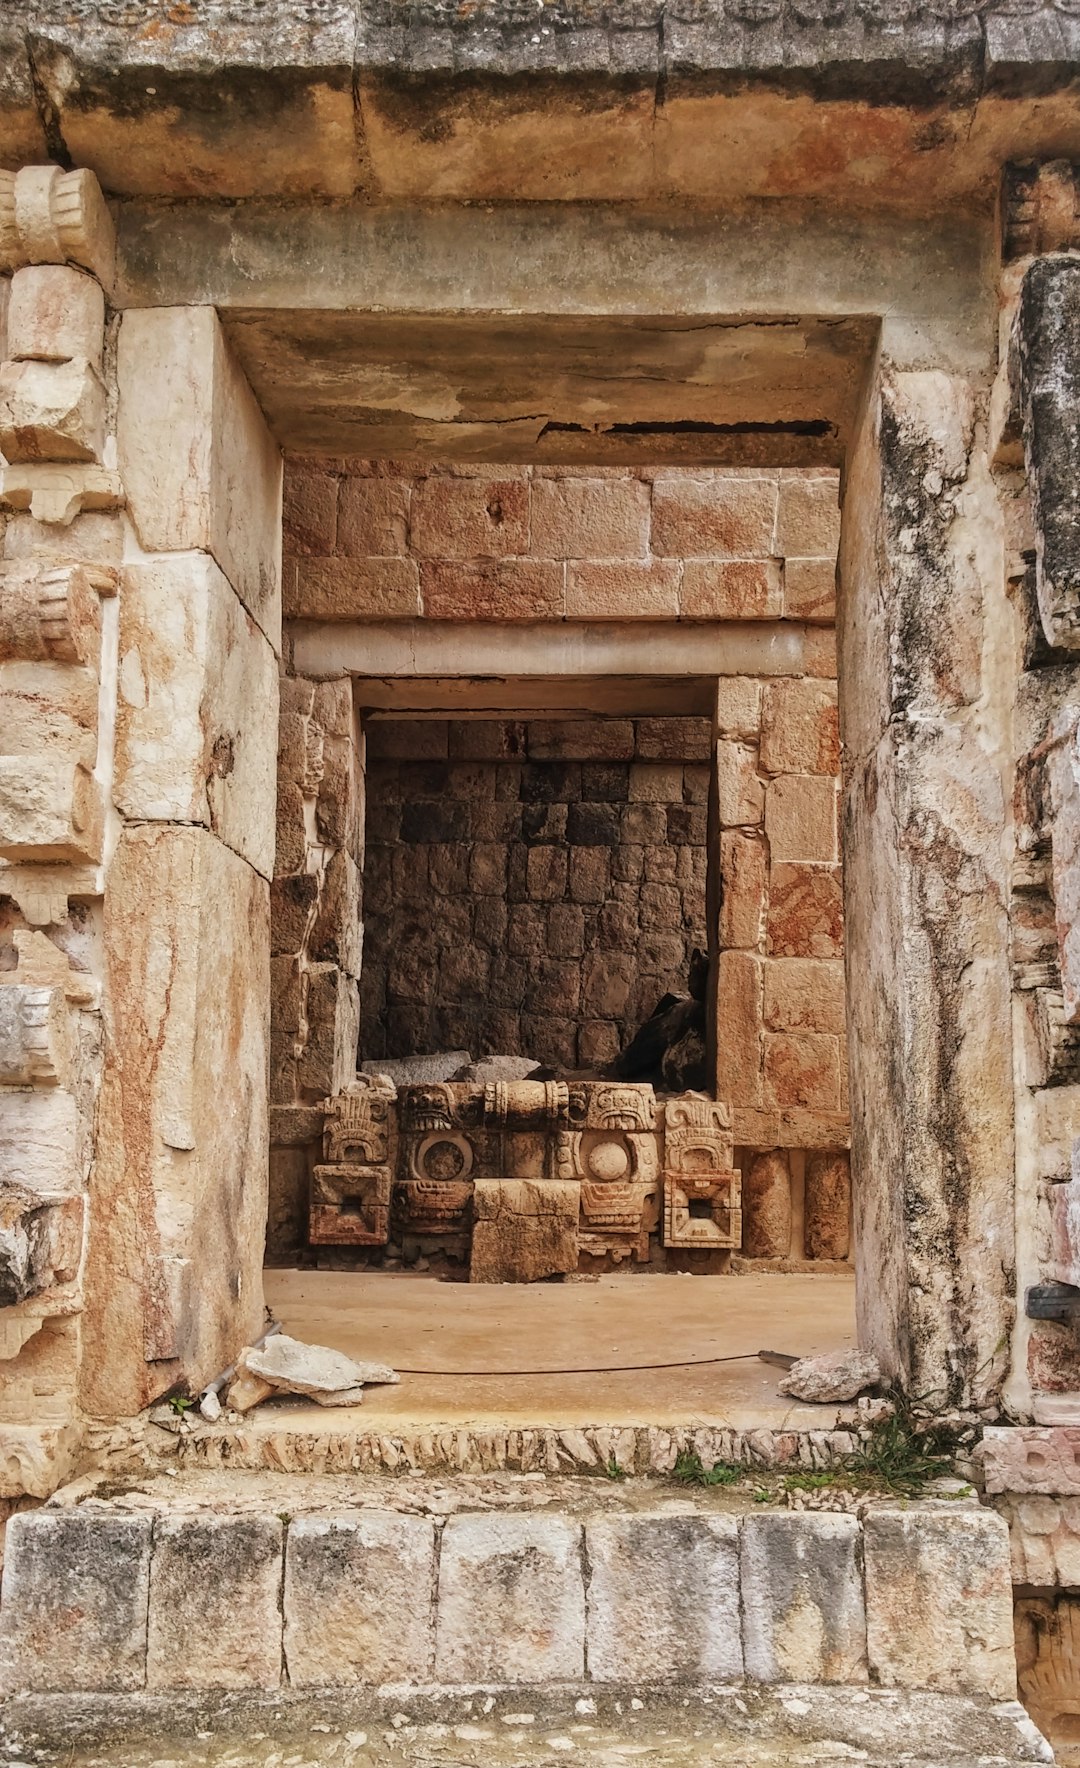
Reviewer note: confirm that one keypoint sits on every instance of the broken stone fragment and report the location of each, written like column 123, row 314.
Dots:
column 836, row 1376
column 285, row 1365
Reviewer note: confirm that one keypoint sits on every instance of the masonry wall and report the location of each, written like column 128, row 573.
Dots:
column 530, row 888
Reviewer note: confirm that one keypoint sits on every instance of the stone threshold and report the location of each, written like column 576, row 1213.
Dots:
column 781, row 1727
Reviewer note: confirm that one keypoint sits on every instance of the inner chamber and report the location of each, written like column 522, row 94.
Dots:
column 601, row 997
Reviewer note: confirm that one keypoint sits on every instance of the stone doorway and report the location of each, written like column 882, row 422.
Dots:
column 535, row 841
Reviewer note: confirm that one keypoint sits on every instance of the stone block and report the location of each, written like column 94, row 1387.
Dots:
column 37, row 1142
column 73, row 1616
column 766, row 1202
column 197, row 707
column 546, row 873
column 1044, row 1539
column 738, row 707
column 50, row 809
column 214, row 1619
column 663, row 1598
column 351, row 589
column 581, row 739
column 806, row 911
column 34, row 1034
column 467, row 518
column 800, row 818
column 808, row 518
column 56, row 217
column 939, row 1600
column 804, row 1619
column 35, row 1459
column 358, row 1591
column 810, row 589
column 800, row 733
column 656, row 782
column 624, row 590
column 309, row 506
column 740, row 794
column 293, row 901
column 674, row 739
column 739, row 1028
column 606, row 982
column 744, row 874
column 337, row 934
column 802, row 1068
column 373, row 518
column 523, row 1230
column 51, row 411
column 827, row 1217
column 55, row 314
column 51, row 613
column 497, row 589
column 1031, row 1458
column 722, row 516
column 730, row 589
column 182, row 1130
column 511, row 1606
column 590, row 518
column 328, row 1060
column 56, row 492
column 804, row 994
column 199, row 465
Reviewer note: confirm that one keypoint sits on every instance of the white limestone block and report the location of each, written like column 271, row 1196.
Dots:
column 511, row 1604
column 50, row 809
column 663, row 1598
column 357, row 1599
column 73, row 1618
column 56, row 314
column 804, row 1619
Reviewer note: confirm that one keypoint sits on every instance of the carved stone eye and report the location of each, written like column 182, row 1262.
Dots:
column 609, row 1161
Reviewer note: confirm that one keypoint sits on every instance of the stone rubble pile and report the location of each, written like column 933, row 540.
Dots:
column 286, row 1366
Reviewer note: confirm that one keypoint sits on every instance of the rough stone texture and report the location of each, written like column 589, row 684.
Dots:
column 288, row 1366
column 766, row 1202
column 939, row 1600
column 1044, row 1539
column 358, row 1599
column 804, row 1618
column 828, row 1204
column 1048, row 347
column 73, row 1613
column 196, row 708
column 663, row 1598
column 216, row 1581
column 523, row 1230
column 511, row 1600
column 55, row 314
column 1027, row 1458
column 50, row 809
column 199, row 466
column 833, row 1376
column 1047, row 1647
column 925, row 895
column 182, row 1129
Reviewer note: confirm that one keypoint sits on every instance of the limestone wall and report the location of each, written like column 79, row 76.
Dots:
column 139, row 632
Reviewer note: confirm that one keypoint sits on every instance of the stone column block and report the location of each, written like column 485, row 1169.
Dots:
column 48, row 216
column 214, row 1615
column 939, row 1600
column 358, row 1599
column 74, row 1602
column 663, row 1598
column 50, row 809
column 37, row 1141
column 804, row 1619
column 511, row 1605
column 52, row 411
column 766, row 1195
column 199, row 465
column 56, row 314
column 828, row 1204
column 196, row 732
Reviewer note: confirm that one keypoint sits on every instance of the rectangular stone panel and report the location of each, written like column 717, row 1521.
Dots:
column 804, row 1618
column 523, row 1230
column 358, row 1599
column 200, row 468
column 939, row 1600
column 214, row 1615
column 511, row 1603
column 196, row 730
column 73, row 1615
column 663, row 1598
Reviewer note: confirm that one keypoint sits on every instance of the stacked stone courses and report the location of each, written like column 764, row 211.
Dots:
column 386, row 541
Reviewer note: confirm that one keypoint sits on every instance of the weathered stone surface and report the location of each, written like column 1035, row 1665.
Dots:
column 1063, row 765
column 186, row 938
column 1048, row 348
column 51, row 411
column 38, row 1142
column 55, row 314
column 828, row 1204
column 804, row 1619
column 40, row 1242
column 357, row 1599
column 663, row 1600
column 49, row 216
column 511, row 1600
column 37, row 1458
column 328, row 1059
column 766, row 1201
column 939, row 1600
column 199, row 466
column 523, row 1230
column 73, row 1617
column 1030, row 1458
column 290, row 1367
column 834, row 1376
column 50, row 809
column 214, row 1619
column 405, row 1071
column 196, row 734
column 800, row 818
column 1044, row 1539
column 52, row 612
column 799, row 728
column 35, row 1035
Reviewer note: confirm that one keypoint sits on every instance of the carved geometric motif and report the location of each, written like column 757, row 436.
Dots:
column 702, row 1190
column 350, row 1205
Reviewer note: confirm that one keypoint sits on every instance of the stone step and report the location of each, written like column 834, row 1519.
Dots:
column 787, row 1726
column 256, row 1583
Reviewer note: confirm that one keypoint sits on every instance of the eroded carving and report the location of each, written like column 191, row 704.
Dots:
column 52, row 613
column 48, row 216
column 702, row 1188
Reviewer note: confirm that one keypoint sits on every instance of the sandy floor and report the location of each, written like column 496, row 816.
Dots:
column 596, row 1336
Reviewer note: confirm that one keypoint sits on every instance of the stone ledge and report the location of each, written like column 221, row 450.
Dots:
column 154, row 1595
